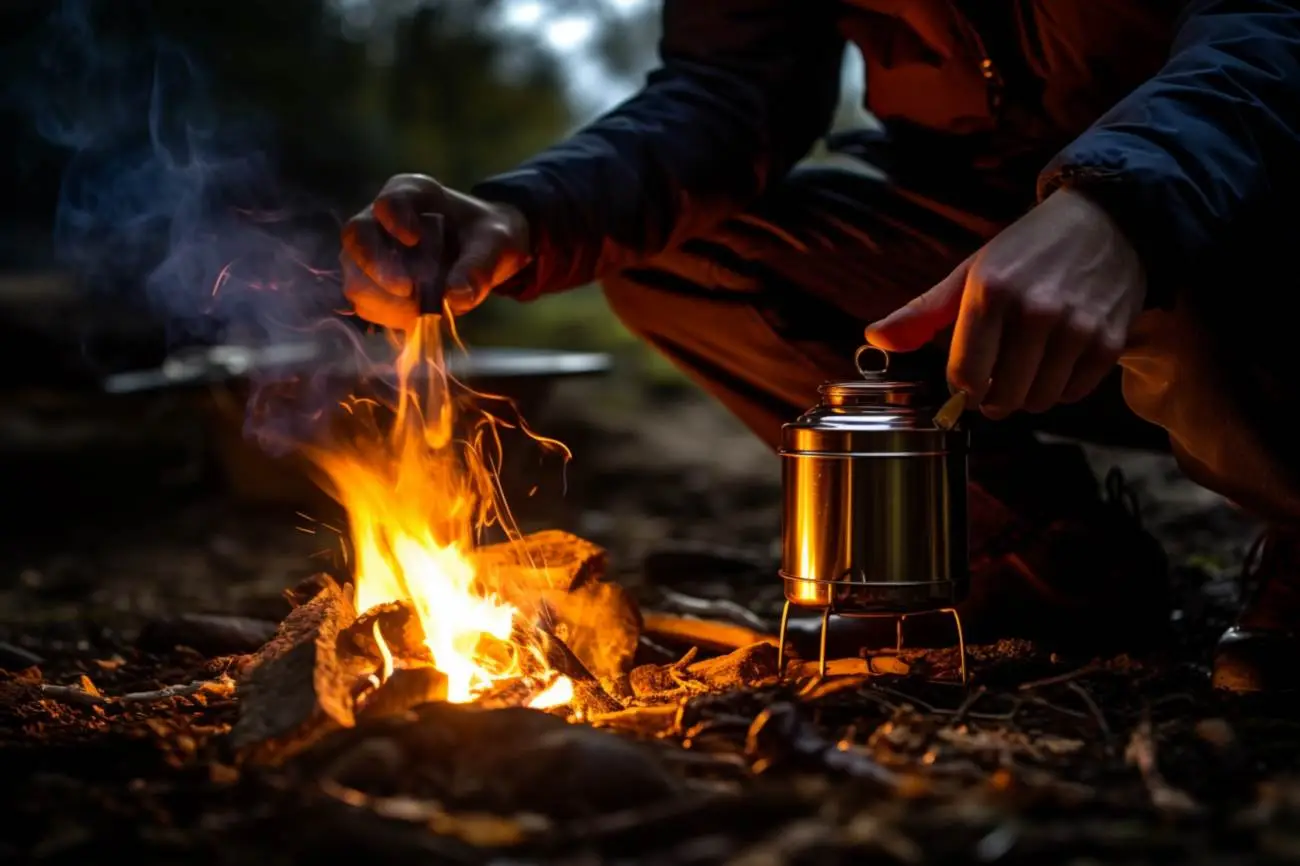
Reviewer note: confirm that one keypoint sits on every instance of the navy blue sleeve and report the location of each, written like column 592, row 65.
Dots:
column 743, row 90
column 1206, row 148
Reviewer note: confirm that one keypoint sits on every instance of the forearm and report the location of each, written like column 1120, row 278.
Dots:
column 729, row 109
column 1187, row 162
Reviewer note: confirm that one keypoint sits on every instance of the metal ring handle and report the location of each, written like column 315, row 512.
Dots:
column 858, row 358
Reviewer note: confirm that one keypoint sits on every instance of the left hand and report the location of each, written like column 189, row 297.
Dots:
column 1042, row 311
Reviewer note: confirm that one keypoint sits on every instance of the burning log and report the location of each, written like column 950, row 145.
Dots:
column 589, row 696
column 406, row 688
column 564, row 574
column 600, row 623
column 400, row 627
column 299, row 687
column 551, row 559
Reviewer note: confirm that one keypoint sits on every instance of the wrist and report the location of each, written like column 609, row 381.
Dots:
column 516, row 226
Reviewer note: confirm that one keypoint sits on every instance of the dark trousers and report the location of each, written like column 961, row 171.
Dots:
column 774, row 303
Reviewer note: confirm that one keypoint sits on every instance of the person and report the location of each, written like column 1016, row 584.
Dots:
column 1079, row 204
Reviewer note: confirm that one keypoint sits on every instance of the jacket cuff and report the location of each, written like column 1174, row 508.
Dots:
column 1130, row 178
column 515, row 190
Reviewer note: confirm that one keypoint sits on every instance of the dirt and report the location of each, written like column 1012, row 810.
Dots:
column 1047, row 759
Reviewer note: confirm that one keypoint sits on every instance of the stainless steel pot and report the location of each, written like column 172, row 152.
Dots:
column 874, row 518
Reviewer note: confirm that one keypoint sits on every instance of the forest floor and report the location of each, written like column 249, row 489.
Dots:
column 1047, row 759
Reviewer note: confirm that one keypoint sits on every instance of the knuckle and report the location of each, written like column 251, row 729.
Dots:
column 1109, row 343
column 495, row 234
column 410, row 181
column 1039, row 311
column 1082, row 325
column 995, row 292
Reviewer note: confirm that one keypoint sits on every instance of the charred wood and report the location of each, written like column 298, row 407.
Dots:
column 406, row 688
column 400, row 627
column 552, row 559
column 299, row 686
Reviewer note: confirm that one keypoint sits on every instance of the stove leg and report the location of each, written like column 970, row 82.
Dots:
column 821, row 661
column 780, row 641
column 961, row 643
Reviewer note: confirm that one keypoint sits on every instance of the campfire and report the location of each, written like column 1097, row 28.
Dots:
column 423, row 610
column 457, row 689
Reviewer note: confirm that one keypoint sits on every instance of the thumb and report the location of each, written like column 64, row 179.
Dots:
column 912, row 326
column 474, row 275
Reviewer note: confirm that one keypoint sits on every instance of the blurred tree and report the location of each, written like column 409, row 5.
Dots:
column 340, row 109
column 457, row 117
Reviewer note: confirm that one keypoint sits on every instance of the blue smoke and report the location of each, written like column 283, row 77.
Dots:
column 167, row 199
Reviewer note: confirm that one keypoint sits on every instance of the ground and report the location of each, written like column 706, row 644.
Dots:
column 124, row 526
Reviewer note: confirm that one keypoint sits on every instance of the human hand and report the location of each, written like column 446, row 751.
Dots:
column 491, row 244
column 1042, row 311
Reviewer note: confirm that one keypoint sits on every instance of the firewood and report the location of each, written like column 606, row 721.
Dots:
column 550, row 560
column 859, row 667
column 597, row 620
column 406, row 688
column 600, row 623
column 400, row 627
column 744, row 667
column 701, row 632
column 589, row 696
column 299, row 687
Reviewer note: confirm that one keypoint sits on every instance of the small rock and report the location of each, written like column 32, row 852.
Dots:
column 209, row 634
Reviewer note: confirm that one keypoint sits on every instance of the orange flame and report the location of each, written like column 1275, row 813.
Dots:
column 417, row 499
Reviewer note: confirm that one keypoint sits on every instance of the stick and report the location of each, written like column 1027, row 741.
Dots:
column 700, row 632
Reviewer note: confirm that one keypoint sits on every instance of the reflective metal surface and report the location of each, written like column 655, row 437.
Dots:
column 875, row 502
column 210, row 365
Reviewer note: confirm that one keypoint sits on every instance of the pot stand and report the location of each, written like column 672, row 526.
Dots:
column 828, row 612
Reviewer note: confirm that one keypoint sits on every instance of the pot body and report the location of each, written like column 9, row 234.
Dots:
column 874, row 518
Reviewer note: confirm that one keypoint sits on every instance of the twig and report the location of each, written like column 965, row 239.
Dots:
column 1141, row 752
column 966, row 706
column 1092, row 707
column 917, row 703
column 1057, row 708
column 73, row 695
column 1089, row 668
column 222, row 687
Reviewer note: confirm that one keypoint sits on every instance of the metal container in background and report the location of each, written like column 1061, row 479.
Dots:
column 874, row 518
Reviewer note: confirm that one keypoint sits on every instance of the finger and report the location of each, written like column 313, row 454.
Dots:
column 373, row 251
column 476, row 271
column 1093, row 367
column 372, row 303
column 1065, row 347
column 398, row 205
column 913, row 325
column 384, row 309
column 1024, row 342
column 976, row 340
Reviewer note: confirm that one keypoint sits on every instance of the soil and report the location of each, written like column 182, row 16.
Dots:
column 125, row 520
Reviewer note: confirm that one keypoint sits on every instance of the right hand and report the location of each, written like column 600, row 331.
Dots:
column 491, row 240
